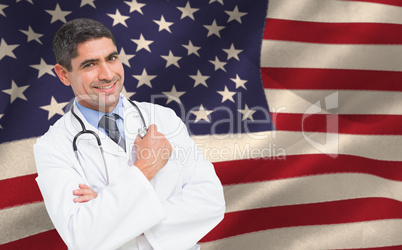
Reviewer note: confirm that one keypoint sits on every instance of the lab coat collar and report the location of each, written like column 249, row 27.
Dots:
column 73, row 126
column 132, row 122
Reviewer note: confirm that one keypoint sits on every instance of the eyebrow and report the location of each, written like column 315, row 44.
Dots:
column 97, row 60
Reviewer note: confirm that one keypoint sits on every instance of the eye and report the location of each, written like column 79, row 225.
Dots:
column 89, row 65
column 113, row 58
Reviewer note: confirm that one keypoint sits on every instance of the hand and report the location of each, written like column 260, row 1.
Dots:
column 84, row 194
column 152, row 151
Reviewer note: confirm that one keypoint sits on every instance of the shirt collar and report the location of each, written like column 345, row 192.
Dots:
column 93, row 116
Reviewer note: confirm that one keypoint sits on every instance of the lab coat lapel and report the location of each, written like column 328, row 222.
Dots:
column 108, row 145
column 132, row 122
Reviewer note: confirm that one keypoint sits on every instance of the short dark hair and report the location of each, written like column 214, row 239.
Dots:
column 74, row 32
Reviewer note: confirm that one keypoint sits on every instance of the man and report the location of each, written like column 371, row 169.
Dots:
column 156, row 192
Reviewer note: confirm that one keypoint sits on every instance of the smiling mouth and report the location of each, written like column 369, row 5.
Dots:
column 106, row 87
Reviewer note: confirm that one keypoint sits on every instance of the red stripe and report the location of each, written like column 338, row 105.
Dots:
column 23, row 190
column 377, row 248
column 48, row 240
column 332, row 33
column 388, row 2
column 237, row 223
column 274, row 168
column 344, row 124
column 18, row 191
column 335, row 212
column 331, row 79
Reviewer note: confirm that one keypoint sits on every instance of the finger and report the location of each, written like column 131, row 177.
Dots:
column 85, row 190
column 84, row 198
column 152, row 129
column 138, row 139
column 80, row 192
column 84, row 186
column 79, row 199
column 153, row 126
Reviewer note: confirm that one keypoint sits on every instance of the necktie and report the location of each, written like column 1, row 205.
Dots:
column 108, row 122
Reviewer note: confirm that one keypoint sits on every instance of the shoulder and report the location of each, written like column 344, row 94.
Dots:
column 165, row 118
column 55, row 134
column 155, row 108
column 157, row 113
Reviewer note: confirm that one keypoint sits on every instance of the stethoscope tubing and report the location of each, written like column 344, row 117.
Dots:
column 142, row 132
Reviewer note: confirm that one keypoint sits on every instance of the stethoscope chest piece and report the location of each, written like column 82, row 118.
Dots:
column 142, row 132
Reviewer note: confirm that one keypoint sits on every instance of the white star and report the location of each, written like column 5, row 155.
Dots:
column 187, row 11
column 202, row 114
column 232, row 52
column 239, row 82
column 142, row 43
column 227, row 95
column 163, row 25
column 89, row 2
column 235, row 15
column 118, row 18
column 191, row 49
column 135, row 6
column 124, row 58
column 58, row 14
column 3, row 6
column 214, row 29
column 219, row 1
column 144, row 78
column 171, row 59
column 7, row 50
column 43, row 68
column 174, row 95
column 247, row 113
column 126, row 94
column 16, row 92
column 0, row 119
column 32, row 35
column 54, row 108
column 218, row 64
column 199, row 79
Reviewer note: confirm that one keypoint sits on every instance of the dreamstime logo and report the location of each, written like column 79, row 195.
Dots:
column 330, row 146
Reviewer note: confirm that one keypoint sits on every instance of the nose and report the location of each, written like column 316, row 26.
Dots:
column 105, row 73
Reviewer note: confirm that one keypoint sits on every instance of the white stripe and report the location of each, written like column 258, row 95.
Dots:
column 34, row 218
column 23, row 221
column 285, row 54
column 218, row 148
column 345, row 101
column 334, row 11
column 17, row 158
column 279, row 143
column 340, row 236
column 309, row 189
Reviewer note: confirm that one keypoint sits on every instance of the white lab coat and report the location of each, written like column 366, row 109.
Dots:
column 181, row 204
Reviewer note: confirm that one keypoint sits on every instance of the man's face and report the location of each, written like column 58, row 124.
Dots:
column 97, row 75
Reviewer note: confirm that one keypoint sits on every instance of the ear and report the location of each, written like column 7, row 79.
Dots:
column 62, row 74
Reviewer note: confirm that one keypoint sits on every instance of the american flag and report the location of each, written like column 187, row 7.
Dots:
column 318, row 169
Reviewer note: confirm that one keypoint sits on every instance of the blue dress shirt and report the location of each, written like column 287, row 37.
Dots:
column 93, row 116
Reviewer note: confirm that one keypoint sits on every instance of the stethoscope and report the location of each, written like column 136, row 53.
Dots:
column 141, row 132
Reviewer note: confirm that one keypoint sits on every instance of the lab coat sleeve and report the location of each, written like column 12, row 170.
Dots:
column 124, row 209
column 200, row 205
